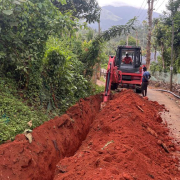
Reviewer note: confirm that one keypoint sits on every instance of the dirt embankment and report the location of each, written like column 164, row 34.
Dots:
column 52, row 141
column 126, row 140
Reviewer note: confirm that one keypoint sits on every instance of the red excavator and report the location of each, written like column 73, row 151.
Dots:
column 124, row 70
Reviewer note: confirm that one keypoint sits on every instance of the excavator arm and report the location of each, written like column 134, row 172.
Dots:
column 112, row 78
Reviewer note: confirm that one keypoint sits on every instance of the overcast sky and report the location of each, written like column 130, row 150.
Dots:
column 159, row 5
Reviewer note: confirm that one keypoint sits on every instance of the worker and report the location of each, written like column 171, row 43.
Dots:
column 127, row 60
column 145, row 81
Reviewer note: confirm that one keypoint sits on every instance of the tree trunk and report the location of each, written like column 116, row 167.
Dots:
column 150, row 11
column 127, row 40
column 155, row 52
column 98, row 71
column 99, row 65
column 162, row 50
column 94, row 76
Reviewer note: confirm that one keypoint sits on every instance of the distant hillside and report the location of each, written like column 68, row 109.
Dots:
column 111, row 16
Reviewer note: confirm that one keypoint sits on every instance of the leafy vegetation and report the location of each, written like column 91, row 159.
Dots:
column 163, row 37
column 138, row 32
column 131, row 41
column 82, row 9
column 15, row 113
column 46, row 62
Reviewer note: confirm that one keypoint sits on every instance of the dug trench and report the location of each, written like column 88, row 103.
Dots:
column 126, row 140
column 52, row 141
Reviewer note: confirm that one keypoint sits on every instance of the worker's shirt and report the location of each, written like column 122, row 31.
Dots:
column 127, row 60
column 146, row 75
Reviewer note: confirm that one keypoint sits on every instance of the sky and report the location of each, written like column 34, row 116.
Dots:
column 159, row 5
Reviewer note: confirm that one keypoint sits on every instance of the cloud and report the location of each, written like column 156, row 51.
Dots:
column 115, row 3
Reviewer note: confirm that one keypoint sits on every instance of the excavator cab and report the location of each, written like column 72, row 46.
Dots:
column 128, row 59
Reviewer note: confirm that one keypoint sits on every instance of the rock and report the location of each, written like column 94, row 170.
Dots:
column 159, row 142
column 28, row 135
column 157, row 84
column 127, row 176
column 29, row 123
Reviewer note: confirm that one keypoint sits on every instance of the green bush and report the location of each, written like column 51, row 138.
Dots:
column 156, row 66
column 14, row 113
column 63, row 80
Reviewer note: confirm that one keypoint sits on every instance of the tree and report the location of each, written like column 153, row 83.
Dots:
column 162, row 39
column 154, row 43
column 131, row 41
column 91, row 56
column 25, row 27
column 162, row 36
column 81, row 9
column 90, row 34
column 173, row 7
column 150, row 11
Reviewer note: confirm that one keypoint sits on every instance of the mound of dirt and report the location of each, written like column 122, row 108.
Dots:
column 51, row 142
column 126, row 141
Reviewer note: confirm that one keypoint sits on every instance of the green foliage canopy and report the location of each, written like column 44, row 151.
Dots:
column 82, row 9
column 23, row 37
column 163, row 34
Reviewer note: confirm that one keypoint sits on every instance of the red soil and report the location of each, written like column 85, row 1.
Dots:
column 125, row 142
column 52, row 141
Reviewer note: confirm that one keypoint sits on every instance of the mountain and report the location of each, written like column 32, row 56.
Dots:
column 112, row 16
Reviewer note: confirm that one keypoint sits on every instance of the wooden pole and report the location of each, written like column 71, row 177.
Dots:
column 127, row 40
column 136, row 38
column 99, row 27
column 150, row 12
column 172, row 46
column 98, row 68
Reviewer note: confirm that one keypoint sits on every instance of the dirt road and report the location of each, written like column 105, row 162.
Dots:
column 173, row 116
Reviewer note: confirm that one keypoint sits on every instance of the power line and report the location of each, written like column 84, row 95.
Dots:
column 156, row 3
column 154, row 6
column 139, row 10
column 143, row 9
column 160, row 5
column 144, row 13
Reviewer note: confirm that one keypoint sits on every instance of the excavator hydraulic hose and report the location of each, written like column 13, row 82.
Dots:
column 167, row 91
column 108, row 80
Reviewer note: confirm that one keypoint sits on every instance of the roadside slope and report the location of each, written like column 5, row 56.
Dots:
column 172, row 116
